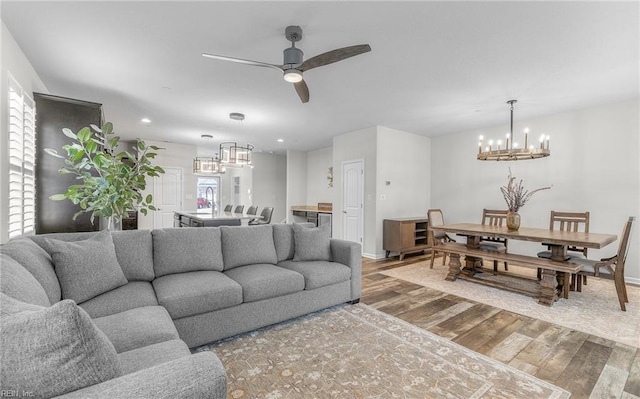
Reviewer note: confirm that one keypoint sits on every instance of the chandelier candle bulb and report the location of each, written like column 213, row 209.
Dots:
column 526, row 133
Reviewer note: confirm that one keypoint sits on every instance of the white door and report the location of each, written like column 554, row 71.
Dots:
column 167, row 197
column 353, row 200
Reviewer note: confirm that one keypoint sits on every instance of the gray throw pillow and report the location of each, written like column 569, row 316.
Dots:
column 51, row 351
column 312, row 243
column 86, row 268
column 248, row 245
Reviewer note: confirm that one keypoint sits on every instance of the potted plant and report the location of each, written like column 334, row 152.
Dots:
column 516, row 196
column 110, row 180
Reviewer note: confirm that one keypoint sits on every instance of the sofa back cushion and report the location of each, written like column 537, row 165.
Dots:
column 134, row 250
column 283, row 240
column 37, row 261
column 52, row 351
column 18, row 283
column 186, row 249
column 86, row 268
column 248, row 245
column 312, row 243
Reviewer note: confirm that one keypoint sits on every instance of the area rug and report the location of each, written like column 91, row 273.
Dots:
column 595, row 310
column 355, row 351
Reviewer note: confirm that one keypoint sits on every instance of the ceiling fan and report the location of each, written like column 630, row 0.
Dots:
column 293, row 66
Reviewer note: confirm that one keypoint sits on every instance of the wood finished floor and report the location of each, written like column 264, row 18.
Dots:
column 586, row 365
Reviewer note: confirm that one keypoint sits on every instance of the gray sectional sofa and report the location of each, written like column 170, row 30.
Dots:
column 114, row 314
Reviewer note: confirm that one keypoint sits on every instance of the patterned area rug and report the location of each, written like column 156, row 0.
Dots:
column 595, row 310
column 358, row 352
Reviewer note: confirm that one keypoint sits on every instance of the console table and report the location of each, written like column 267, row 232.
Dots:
column 404, row 235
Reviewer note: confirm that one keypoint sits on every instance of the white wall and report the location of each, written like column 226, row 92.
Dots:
column 358, row 145
column 296, row 181
column 318, row 163
column 403, row 160
column 270, row 184
column 594, row 166
column 12, row 60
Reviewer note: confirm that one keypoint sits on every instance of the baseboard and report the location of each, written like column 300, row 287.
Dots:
column 632, row 281
column 373, row 256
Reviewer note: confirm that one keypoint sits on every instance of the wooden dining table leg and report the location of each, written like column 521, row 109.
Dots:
column 454, row 267
column 549, row 288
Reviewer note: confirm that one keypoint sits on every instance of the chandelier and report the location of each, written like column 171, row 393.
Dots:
column 511, row 150
column 207, row 166
column 231, row 154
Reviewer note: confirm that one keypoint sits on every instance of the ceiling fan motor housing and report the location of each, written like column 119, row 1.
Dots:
column 293, row 56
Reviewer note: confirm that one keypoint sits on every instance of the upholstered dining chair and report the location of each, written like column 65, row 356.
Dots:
column 494, row 217
column 611, row 268
column 239, row 209
column 266, row 214
column 228, row 208
column 435, row 218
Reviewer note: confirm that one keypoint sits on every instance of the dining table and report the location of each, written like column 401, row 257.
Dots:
column 555, row 271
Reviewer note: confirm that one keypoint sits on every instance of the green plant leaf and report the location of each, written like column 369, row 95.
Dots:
column 91, row 147
column 53, row 153
column 96, row 128
column 67, row 132
column 84, row 135
column 107, row 128
column 113, row 141
column 58, row 197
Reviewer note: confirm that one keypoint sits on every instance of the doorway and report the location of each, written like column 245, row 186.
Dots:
column 353, row 200
column 208, row 198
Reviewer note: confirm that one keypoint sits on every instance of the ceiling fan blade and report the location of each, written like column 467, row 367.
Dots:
column 303, row 90
column 334, row 56
column 241, row 61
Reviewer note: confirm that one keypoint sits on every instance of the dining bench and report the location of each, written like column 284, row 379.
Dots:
column 548, row 266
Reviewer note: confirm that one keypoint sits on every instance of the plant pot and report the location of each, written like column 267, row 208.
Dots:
column 513, row 221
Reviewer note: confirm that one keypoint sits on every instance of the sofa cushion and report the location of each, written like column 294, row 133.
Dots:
column 186, row 249
column 247, row 245
column 135, row 294
column 264, row 281
column 54, row 350
column 134, row 249
column 86, row 268
column 18, row 283
column 152, row 355
column 319, row 273
column 187, row 294
column 37, row 261
column 312, row 243
column 137, row 327
column 283, row 239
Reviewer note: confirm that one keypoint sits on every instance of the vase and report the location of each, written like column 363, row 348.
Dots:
column 113, row 223
column 513, row 221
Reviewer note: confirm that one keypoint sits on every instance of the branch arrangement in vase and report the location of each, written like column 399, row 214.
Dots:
column 515, row 195
column 111, row 182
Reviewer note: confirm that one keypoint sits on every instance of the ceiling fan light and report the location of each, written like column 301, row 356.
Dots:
column 293, row 75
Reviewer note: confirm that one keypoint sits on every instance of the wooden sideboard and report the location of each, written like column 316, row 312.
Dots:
column 404, row 235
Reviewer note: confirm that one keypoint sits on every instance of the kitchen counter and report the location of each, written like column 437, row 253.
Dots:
column 209, row 219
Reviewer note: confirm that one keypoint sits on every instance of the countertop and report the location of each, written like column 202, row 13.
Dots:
column 204, row 215
column 309, row 208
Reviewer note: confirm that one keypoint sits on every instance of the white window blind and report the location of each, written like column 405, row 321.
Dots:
column 21, row 161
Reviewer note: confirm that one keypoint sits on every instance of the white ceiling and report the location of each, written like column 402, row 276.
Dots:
column 435, row 67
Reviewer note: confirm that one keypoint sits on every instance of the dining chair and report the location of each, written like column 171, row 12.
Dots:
column 239, row 209
column 435, row 218
column 494, row 217
column 253, row 210
column 567, row 221
column 266, row 214
column 611, row 268
column 228, row 208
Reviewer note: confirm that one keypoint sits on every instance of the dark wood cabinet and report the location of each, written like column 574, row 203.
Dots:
column 52, row 114
column 404, row 235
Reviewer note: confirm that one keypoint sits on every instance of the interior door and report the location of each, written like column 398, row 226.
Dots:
column 353, row 200
column 167, row 197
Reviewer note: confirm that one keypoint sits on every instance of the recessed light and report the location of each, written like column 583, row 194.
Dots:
column 280, row 140
column 145, row 120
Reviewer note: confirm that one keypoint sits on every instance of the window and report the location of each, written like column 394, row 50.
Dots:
column 21, row 161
